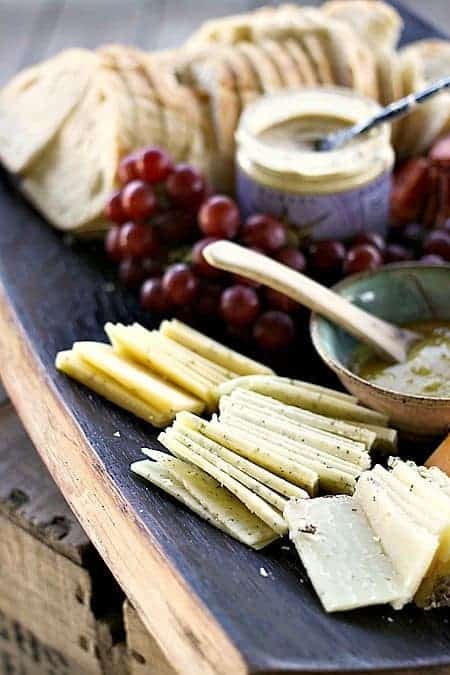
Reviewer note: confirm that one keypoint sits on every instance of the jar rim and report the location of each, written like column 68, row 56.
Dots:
column 273, row 109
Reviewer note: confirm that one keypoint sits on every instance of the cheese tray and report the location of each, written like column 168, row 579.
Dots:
column 213, row 605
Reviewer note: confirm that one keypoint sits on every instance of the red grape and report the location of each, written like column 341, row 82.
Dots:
column 438, row 242
column 127, row 170
column 176, row 227
column 397, row 253
column 153, row 165
column 274, row 330
column 239, row 305
column 207, row 303
column 186, row 186
column 264, row 232
column 138, row 200
column 431, row 259
column 132, row 271
column 327, row 255
column 292, row 257
column 201, row 267
column 138, row 240
column 361, row 258
column 277, row 300
column 113, row 209
column 112, row 243
column 373, row 238
column 180, row 284
column 219, row 217
column 153, row 296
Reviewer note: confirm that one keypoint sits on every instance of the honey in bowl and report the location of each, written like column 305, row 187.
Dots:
column 426, row 372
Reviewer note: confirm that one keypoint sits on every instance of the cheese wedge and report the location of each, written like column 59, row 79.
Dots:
column 344, row 560
column 133, row 377
column 73, row 365
column 334, row 426
column 255, row 504
column 210, row 349
column 205, row 497
column 410, row 546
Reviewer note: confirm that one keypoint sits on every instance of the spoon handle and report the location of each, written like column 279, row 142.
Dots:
column 388, row 340
column 390, row 112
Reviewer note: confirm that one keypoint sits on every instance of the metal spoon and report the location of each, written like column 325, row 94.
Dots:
column 391, row 342
column 396, row 109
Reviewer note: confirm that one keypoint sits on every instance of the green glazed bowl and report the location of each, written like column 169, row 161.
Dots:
column 400, row 293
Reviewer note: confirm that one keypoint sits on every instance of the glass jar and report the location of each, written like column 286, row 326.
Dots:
column 327, row 195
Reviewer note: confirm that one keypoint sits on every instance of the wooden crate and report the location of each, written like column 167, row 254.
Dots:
column 145, row 656
column 60, row 608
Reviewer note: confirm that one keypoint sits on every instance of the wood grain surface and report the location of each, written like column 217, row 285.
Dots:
column 202, row 595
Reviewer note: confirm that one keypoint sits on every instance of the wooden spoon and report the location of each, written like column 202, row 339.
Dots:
column 388, row 340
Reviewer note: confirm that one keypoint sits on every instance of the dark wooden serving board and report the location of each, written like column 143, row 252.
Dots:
column 201, row 594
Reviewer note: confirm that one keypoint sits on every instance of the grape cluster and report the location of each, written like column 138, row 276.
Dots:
column 164, row 216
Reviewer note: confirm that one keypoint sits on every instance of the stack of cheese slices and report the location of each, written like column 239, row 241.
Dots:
column 390, row 542
column 156, row 374
column 295, row 440
column 66, row 122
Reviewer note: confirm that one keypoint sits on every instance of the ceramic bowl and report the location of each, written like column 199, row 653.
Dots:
column 400, row 293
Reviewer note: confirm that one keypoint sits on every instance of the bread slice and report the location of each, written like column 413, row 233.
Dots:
column 376, row 23
column 35, row 104
column 73, row 177
column 268, row 74
column 247, row 81
column 147, row 117
column 304, row 67
column 287, row 66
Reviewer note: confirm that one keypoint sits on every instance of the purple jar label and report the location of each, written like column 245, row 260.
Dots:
column 340, row 215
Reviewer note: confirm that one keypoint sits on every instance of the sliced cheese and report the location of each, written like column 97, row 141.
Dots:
column 135, row 378
column 254, row 485
column 125, row 343
column 283, row 466
column 348, row 450
column 205, row 497
column 262, row 475
column 255, row 504
column 410, row 546
column 335, row 476
column 339, row 427
column 314, row 401
column 344, row 560
column 210, row 349
column 73, row 365
column 248, row 381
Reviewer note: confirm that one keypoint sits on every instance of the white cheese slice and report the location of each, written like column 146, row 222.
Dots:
column 410, row 546
column 344, row 559
column 205, row 497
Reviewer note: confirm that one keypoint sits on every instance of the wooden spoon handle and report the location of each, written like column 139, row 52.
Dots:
column 388, row 340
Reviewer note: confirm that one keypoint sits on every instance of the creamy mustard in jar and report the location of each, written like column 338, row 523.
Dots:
column 333, row 194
